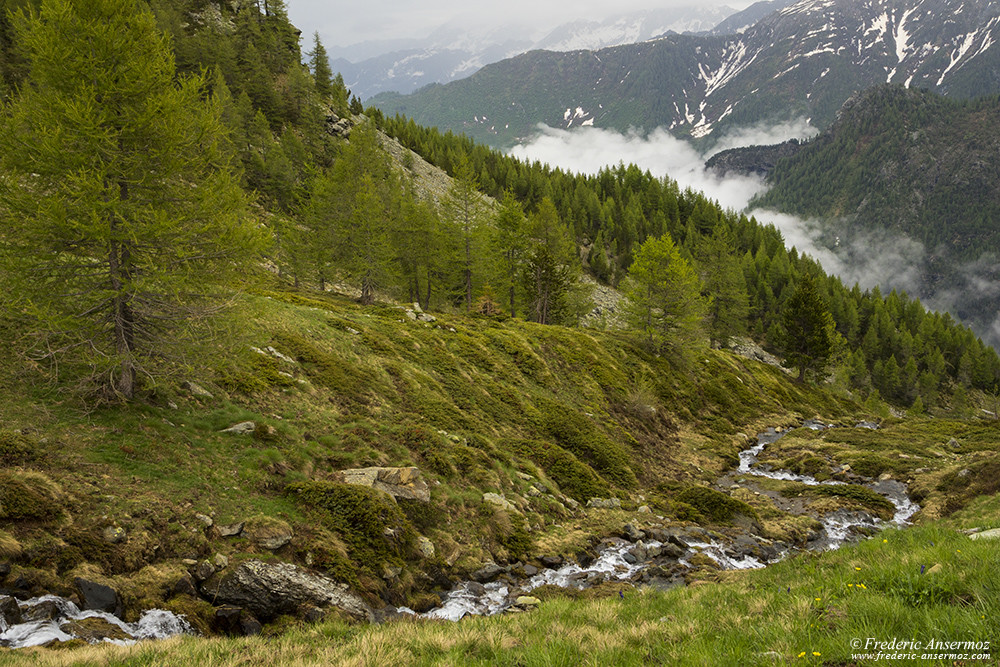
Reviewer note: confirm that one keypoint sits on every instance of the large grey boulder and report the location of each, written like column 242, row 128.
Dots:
column 271, row 589
column 98, row 596
column 403, row 483
column 10, row 612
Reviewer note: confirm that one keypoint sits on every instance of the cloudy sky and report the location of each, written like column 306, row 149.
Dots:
column 341, row 23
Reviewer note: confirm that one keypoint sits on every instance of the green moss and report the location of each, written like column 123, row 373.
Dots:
column 328, row 370
column 360, row 516
column 574, row 478
column 16, row 448
column 715, row 505
column 255, row 373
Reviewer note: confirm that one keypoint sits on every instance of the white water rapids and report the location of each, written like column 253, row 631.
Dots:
column 154, row 624
column 611, row 565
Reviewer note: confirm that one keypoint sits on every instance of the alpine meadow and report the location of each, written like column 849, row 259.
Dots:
column 292, row 377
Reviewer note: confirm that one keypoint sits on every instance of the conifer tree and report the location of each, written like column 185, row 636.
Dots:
column 350, row 213
column 664, row 297
column 121, row 205
column 722, row 280
column 808, row 328
column 319, row 63
column 463, row 211
column 510, row 242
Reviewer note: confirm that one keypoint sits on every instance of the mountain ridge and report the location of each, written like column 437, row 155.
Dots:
column 804, row 60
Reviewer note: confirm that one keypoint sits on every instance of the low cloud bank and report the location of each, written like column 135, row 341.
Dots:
column 867, row 257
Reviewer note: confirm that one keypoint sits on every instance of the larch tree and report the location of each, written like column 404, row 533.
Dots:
column 123, row 212
column 319, row 63
column 510, row 243
column 347, row 231
column 462, row 210
column 664, row 300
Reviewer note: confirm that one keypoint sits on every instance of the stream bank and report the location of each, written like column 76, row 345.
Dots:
column 664, row 557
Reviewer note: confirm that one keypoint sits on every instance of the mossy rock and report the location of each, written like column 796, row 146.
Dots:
column 715, row 505
column 423, row 602
column 267, row 531
column 862, row 495
column 29, row 496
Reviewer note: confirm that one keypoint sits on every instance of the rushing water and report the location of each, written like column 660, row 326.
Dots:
column 154, row 624
column 612, row 564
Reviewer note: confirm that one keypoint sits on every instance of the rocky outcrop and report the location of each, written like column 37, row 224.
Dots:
column 751, row 160
column 403, row 483
column 268, row 590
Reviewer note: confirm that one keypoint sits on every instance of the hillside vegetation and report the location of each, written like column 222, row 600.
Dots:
column 205, row 339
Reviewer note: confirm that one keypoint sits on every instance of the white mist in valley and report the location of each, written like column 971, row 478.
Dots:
column 869, row 258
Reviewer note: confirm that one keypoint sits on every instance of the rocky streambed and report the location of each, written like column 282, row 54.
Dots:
column 663, row 557
column 49, row 619
column 654, row 554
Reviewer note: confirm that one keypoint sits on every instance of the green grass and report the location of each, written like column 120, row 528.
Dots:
column 807, row 604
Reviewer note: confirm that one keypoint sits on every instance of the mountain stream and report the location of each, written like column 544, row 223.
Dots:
column 621, row 560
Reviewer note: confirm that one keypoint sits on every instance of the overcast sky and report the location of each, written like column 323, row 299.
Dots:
column 343, row 23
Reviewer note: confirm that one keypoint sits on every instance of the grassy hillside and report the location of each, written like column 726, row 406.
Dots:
column 478, row 405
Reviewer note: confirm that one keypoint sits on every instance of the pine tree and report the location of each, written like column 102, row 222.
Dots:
column 808, row 339
column 664, row 297
column 319, row 63
column 121, row 204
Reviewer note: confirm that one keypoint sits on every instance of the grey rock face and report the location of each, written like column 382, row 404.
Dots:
column 271, row 589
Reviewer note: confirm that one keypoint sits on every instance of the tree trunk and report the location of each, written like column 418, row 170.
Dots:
column 123, row 320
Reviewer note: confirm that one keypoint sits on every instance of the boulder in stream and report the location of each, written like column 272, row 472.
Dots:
column 268, row 590
column 99, row 597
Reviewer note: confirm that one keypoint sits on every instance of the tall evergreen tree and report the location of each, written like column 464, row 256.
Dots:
column 664, row 296
column 808, row 328
column 319, row 63
column 121, row 205
column 463, row 211
column 350, row 213
column 722, row 280
column 510, row 242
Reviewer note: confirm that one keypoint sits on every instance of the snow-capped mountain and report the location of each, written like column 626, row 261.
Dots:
column 452, row 53
column 804, row 60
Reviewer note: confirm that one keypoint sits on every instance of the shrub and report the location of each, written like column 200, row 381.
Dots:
column 578, row 434
column 28, row 496
column 15, row 448
column 574, row 478
column 860, row 494
column 360, row 515
column 715, row 505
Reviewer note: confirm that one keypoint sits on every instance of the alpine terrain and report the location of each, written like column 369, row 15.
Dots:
column 804, row 60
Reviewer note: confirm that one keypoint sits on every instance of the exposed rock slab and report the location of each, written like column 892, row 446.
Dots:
column 270, row 589
column 405, row 483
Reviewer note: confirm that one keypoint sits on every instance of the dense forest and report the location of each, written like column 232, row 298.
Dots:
column 904, row 159
column 344, row 212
